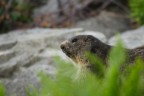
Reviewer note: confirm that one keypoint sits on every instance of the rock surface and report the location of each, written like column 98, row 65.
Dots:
column 131, row 39
column 106, row 22
column 50, row 6
column 24, row 53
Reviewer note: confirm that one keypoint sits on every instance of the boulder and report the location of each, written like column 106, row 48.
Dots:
column 25, row 53
column 49, row 7
column 131, row 38
column 106, row 22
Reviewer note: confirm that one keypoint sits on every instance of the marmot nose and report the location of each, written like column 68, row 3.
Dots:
column 63, row 45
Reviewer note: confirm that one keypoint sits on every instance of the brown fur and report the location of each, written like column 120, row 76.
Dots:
column 76, row 47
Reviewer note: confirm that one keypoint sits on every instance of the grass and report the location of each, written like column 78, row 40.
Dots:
column 2, row 90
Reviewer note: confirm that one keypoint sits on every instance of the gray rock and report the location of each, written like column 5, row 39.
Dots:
column 6, row 55
column 131, row 39
column 106, row 22
column 49, row 7
column 7, row 42
column 25, row 53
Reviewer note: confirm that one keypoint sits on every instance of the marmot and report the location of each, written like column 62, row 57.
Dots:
column 76, row 47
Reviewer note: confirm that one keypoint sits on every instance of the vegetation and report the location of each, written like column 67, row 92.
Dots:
column 137, row 10
column 14, row 13
column 18, row 13
column 2, row 90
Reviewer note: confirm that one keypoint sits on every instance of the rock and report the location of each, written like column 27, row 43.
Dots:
column 7, row 43
column 106, row 22
column 25, row 53
column 131, row 39
column 49, row 7
column 5, row 56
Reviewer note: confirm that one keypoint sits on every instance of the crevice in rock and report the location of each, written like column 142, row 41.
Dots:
column 7, row 45
column 5, row 56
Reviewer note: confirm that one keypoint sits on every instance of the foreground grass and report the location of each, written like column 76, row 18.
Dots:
column 2, row 90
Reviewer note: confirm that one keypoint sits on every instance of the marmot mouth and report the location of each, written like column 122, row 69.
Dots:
column 65, row 48
column 68, row 54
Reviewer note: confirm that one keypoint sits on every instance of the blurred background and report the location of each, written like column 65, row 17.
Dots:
column 107, row 16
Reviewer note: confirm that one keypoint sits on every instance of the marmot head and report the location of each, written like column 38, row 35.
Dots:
column 77, row 47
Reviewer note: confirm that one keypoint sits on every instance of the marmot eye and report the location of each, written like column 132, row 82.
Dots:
column 74, row 40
